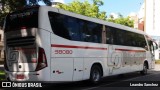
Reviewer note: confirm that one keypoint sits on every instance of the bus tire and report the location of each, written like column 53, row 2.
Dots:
column 145, row 69
column 95, row 74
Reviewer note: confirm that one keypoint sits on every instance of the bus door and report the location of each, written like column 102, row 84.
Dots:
column 153, row 46
column 61, row 69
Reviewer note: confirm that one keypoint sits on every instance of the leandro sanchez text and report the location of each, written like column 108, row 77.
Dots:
column 144, row 84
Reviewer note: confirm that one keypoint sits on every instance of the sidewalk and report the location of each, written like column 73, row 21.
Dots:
column 157, row 67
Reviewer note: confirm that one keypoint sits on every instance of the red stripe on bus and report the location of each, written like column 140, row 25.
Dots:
column 130, row 50
column 72, row 46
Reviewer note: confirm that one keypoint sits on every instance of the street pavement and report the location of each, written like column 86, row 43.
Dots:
column 157, row 67
column 1, row 68
column 126, row 84
column 120, row 82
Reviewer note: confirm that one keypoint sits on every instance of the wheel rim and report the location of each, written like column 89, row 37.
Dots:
column 96, row 75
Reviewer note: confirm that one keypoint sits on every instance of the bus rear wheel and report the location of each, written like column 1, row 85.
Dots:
column 95, row 74
column 145, row 69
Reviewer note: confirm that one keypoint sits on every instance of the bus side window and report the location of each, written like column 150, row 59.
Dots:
column 144, row 45
column 83, row 27
column 151, row 47
column 109, row 35
column 90, row 32
column 155, row 45
column 72, row 26
column 120, row 37
column 58, row 24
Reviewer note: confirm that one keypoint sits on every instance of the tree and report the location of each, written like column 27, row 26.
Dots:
column 7, row 6
column 121, row 20
column 92, row 10
column 85, row 8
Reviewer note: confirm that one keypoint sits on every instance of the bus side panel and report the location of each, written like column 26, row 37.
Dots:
column 149, row 56
column 149, row 59
column 122, row 59
column 61, row 69
column 43, row 18
column 88, row 62
column 43, row 41
column 78, row 69
column 114, row 60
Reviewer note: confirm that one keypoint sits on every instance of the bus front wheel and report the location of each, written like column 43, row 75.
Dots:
column 95, row 74
column 144, row 71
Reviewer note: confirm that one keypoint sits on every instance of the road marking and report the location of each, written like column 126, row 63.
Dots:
column 118, row 82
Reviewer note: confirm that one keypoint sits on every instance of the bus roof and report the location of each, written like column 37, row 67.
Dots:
column 96, row 20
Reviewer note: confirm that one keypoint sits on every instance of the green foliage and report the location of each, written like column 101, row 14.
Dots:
column 2, row 73
column 92, row 10
column 122, row 20
column 9, row 6
column 85, row 8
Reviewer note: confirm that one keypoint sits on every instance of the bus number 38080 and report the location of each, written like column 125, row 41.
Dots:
column 63, row 52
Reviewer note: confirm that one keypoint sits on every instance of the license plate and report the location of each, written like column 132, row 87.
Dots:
column 20, row 76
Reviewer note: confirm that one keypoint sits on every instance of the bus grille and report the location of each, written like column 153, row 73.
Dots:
column 21, row 41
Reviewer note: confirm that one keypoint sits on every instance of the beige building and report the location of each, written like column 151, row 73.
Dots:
column 152, row 21
column 134, row 17
column 149, row 15
column 152, row 17
column 149, row 20
column 138, row 18
column 138, row 22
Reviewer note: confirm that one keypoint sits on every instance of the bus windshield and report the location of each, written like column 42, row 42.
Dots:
column 27, row 18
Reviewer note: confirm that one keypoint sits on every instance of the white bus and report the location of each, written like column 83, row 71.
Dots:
column 49, row 44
